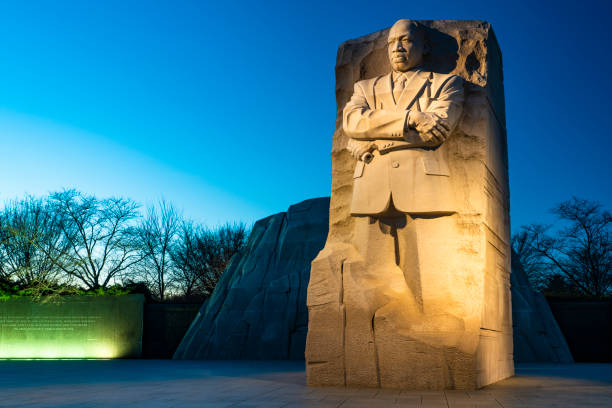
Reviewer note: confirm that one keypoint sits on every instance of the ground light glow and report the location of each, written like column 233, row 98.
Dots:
column 43, row 350
column 55, row 359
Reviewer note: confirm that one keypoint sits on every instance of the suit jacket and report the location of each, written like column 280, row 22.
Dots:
column 409, row 172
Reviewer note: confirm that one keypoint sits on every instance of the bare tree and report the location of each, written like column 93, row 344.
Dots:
column 216, row 248
column 5, row 271
column 157, row 234
column 579, row 252
column 31, row 244
column 102, row 243
column 184, row 255
column 524, row 244
column 202, row 254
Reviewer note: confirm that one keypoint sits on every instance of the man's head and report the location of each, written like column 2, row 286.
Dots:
column 406, row 45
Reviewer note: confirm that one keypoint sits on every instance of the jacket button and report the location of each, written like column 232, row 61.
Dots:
column 395, row 164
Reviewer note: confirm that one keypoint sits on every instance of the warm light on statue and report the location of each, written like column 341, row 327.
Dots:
column 412, row 288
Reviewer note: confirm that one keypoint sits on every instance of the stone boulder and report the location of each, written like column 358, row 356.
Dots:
column 537, row 337
column 258, row 309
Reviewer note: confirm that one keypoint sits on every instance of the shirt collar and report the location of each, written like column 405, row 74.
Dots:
column 397, row 75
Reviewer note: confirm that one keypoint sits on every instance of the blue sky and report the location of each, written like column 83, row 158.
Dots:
column 227, row 108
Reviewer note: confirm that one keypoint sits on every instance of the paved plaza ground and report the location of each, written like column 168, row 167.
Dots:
column 239, row 384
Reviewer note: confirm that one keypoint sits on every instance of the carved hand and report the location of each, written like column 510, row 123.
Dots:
column 430, row 126
column 359, row 148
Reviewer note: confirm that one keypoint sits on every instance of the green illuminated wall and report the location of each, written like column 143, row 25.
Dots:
column 72, row 327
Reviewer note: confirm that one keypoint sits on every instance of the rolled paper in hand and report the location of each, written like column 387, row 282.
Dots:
column 367, row 157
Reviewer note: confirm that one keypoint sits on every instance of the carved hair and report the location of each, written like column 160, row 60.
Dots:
column 413, row 25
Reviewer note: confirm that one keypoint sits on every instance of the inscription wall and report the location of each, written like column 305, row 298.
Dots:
column 72, row 327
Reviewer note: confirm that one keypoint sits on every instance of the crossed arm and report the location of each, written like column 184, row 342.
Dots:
column 362, row 123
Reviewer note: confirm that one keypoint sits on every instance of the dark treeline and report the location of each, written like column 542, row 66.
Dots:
column 572, row 258
column 70, row 242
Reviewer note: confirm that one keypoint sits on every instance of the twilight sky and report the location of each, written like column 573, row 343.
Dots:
column 227, row 108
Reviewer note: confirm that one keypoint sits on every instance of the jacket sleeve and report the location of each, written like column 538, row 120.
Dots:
column 449, row 103
column 362, row 122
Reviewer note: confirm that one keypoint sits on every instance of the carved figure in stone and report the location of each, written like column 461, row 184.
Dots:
column 412, row 287
column 402, row 197
column 396, row 122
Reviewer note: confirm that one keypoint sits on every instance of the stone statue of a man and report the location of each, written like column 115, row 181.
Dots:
column 402, row 196
column 412, row 287
column 395, row 123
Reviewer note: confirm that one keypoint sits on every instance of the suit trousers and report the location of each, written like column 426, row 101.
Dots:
column 415, row 295
column 417, row 261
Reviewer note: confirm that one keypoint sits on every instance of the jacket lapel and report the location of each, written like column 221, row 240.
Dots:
column 383, row 94
column 413, row 89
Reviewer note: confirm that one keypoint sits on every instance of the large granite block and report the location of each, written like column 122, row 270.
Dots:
column 258, row 309
column 412, row 288
column 537, row 337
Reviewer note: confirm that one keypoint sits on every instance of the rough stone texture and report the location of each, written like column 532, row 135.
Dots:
column 258, row 309
column 362, row 328
column 537, row 337
column 212, row 334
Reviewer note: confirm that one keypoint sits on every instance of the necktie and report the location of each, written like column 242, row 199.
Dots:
column 398, row 87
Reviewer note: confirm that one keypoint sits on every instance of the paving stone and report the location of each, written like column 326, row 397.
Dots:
column 186, row 384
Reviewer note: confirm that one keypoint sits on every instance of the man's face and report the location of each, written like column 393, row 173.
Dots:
column 406, row 46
